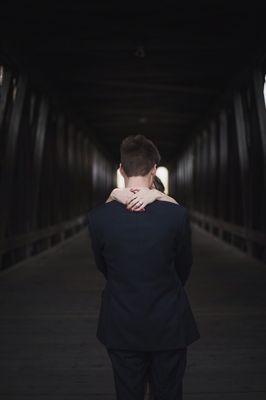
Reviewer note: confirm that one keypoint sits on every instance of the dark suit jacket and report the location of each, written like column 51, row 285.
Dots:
column 146, row 259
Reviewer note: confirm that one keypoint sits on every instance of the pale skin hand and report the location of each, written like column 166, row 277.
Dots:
column 146, row 196
column 121, row 195
column 131, row 196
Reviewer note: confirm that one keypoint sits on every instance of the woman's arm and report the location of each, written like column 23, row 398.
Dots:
column 121, row 195
column 144, row 196
column 109, row 199
column 165, row 197
column 132, row 196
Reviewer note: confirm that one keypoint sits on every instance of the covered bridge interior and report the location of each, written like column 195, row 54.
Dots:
column 75, row 79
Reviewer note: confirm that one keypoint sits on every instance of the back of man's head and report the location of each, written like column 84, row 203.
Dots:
column 138, row 155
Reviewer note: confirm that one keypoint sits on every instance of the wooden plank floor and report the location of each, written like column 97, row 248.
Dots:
column 49, row 308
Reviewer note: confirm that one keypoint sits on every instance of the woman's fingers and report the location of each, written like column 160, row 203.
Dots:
column 133, row 203
column 138, row 205
column 138, row 200
column 130, row 200
column 139, row 208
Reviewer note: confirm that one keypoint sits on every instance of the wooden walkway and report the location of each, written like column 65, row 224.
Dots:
column 49, row 308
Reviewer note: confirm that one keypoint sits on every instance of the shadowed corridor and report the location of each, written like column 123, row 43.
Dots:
column 49, row 308
column 75, row 80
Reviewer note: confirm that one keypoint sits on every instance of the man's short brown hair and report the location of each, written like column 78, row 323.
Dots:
column 138, row 155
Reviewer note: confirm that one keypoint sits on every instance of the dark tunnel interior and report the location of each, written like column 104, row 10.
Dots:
column 118, row 69
column 78, row 77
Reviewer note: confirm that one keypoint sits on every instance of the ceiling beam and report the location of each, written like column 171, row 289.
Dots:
column 171, row 88
column 149, row 123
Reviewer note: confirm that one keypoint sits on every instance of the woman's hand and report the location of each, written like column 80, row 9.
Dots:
column 141, row 197
column 136, row 198
column 121, row 195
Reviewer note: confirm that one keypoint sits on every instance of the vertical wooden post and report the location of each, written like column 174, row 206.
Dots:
column 9, row 160
column 194, row 174
column 84, row 173
column 58, row 167
column 70, row 167
column 79, row 171
column 38, row 158
column 200, row 174
column 87, row 177
column 205, row 173
column 258, row 82
column 74, row 173
column 65, row 171
column 244, row 163
column 4, row 94
column 223, row 167
column 214, row 158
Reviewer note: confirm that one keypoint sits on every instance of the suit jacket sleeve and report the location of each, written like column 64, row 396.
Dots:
column 184, row 257
column 97, row 246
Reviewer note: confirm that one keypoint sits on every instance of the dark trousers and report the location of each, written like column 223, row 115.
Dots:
column 164, row 369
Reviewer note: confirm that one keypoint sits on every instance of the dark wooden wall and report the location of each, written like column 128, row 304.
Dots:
column 51, row 172
column 221, row 176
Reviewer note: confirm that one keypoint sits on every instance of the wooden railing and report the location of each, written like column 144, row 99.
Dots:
column 230, row 232
column 16, row 248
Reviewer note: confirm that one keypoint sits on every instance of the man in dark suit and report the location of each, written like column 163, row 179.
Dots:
column 145, row 317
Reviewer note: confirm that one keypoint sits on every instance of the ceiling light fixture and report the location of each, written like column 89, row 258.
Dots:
column 140, row 52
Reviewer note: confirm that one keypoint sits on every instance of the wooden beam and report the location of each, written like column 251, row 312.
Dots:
column 60, row 167
column 245, row 173
column 205, row 171
column 70, row 166
column 223, row 166
column 136, row 123
column 207, row 46
column 126, row 110
column 213, row 165
column 258, row 83
column 9, row 159
column 4, row 93
column 250, row 235
column 38, row 158
column 155, row 87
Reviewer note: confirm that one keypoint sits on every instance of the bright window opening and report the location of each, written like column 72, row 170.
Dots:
column 120, row 182
column 264, row 90
column 161, row 172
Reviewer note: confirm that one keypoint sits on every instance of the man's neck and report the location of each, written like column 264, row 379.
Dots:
column 137, row 181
